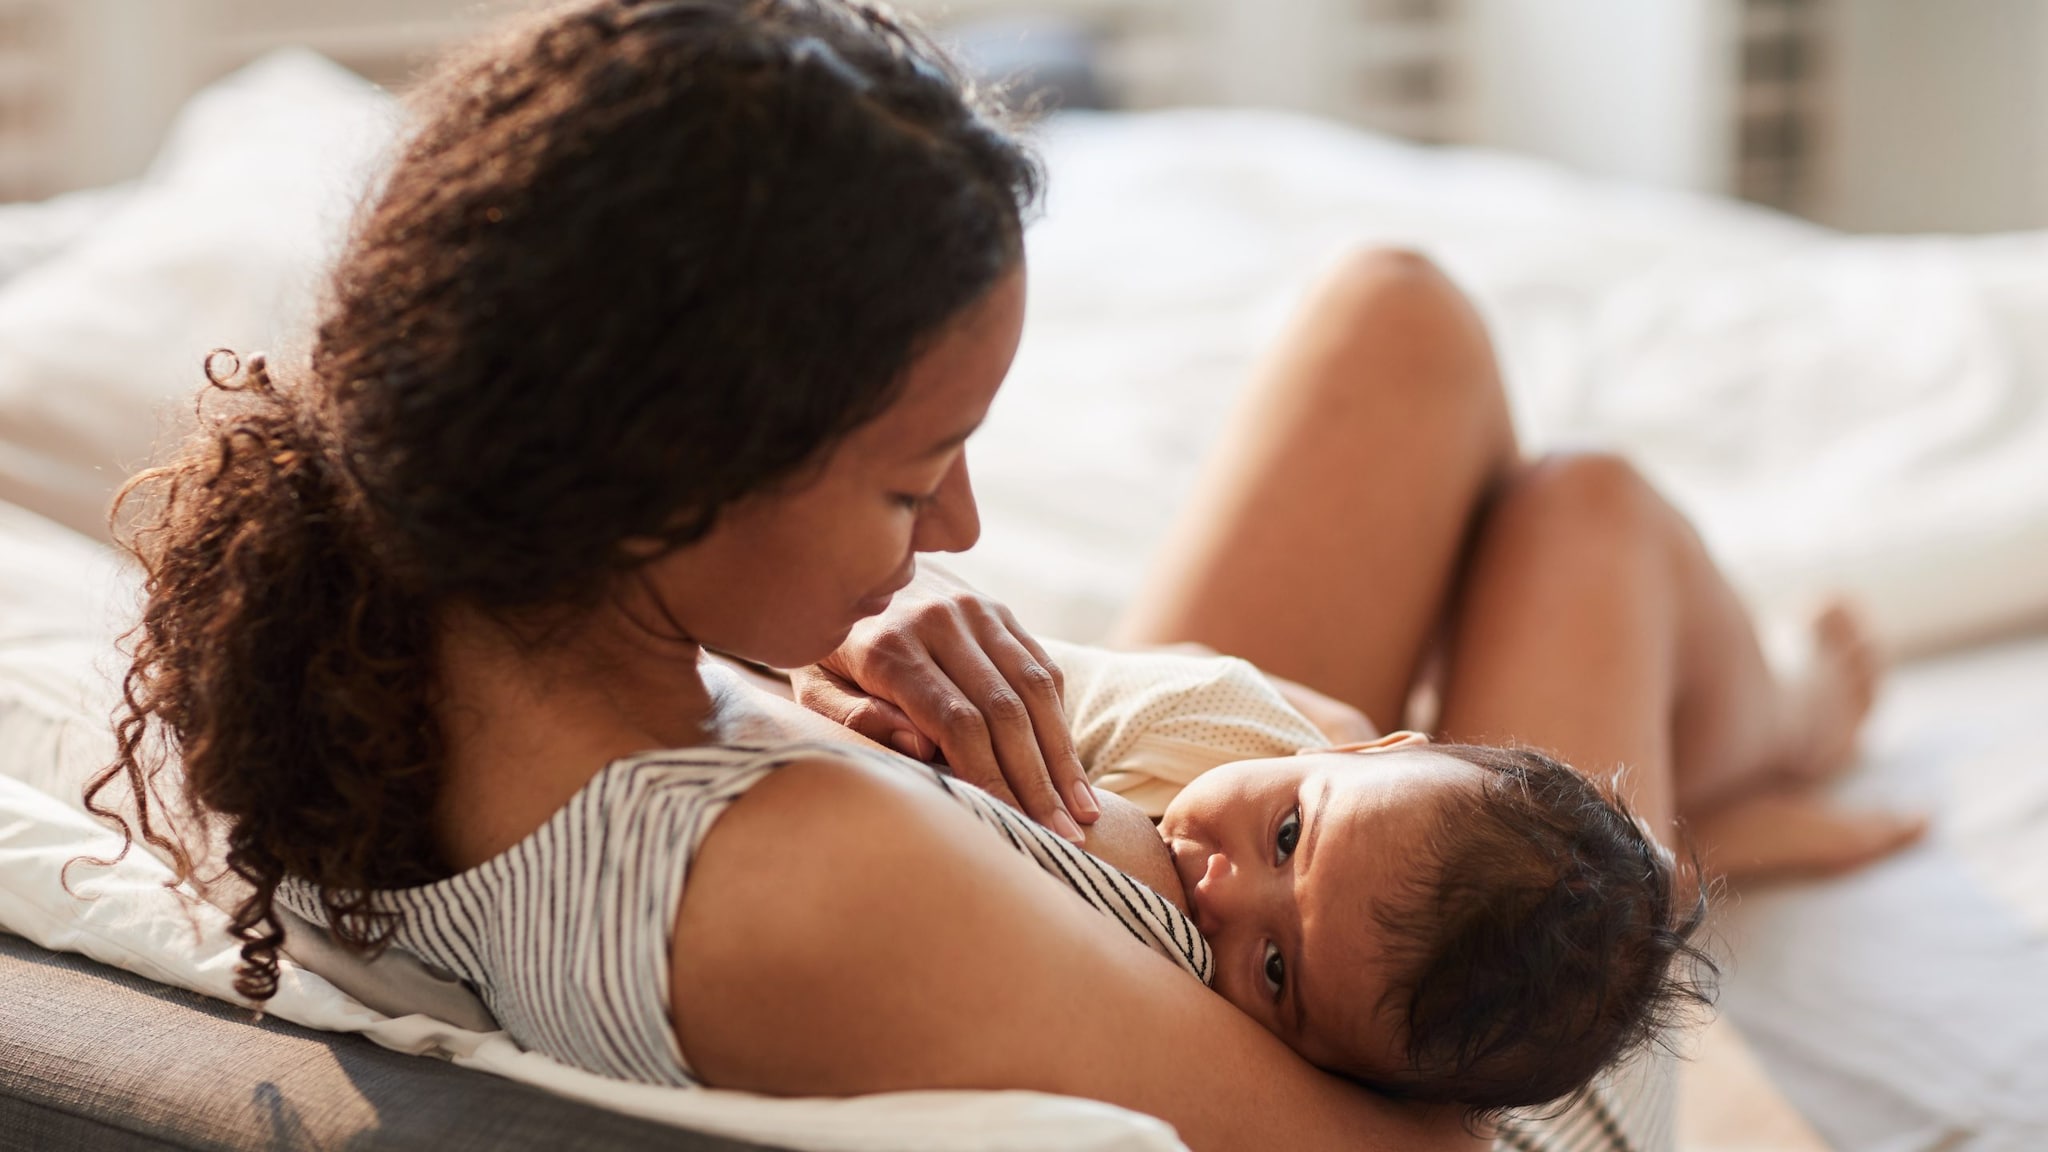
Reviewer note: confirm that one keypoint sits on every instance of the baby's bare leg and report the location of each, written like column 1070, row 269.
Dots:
column 1594, row 624
column 1325, row 537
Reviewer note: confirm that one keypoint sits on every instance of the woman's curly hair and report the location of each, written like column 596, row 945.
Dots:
column 636, row 261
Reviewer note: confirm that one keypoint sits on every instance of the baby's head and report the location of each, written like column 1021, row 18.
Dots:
column 1453, row 923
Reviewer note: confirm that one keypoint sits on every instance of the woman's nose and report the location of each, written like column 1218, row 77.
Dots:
column 951, row 523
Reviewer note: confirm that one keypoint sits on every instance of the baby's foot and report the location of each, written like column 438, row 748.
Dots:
column 1828, row 701
column 1782, row 836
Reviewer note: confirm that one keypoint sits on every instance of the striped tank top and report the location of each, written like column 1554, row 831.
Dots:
column 565, row 935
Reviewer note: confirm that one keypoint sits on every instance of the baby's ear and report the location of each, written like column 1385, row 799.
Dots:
column 1391, row 740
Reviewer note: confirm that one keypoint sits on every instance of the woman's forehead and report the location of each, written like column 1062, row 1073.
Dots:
column 948, row 388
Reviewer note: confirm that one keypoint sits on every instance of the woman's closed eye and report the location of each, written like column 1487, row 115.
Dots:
column 914, row 501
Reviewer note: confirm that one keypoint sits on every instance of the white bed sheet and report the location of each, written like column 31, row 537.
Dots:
column 1906, row 1007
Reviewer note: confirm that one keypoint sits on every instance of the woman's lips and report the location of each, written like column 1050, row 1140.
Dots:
column 874, row 604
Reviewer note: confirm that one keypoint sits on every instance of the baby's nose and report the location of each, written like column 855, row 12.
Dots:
column 1215, row 894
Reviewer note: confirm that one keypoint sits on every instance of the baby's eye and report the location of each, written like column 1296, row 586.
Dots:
column 1290, row 834
column 1276, row 970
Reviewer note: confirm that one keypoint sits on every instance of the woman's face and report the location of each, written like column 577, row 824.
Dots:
column 1287, row 863
column 783, row 576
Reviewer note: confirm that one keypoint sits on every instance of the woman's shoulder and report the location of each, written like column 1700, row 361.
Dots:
column 842, row 874
column 671, row 800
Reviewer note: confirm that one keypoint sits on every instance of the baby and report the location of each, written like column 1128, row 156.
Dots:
column 1469, row 925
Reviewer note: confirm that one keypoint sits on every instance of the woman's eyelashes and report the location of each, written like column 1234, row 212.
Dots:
column 914, row 502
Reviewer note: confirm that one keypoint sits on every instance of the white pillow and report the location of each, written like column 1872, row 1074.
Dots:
column 63, row 598
column 101, row 344
column 32, row 233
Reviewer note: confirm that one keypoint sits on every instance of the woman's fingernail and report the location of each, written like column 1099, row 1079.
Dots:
column 1065, row 826
column 904, row 742
column 1084, row 800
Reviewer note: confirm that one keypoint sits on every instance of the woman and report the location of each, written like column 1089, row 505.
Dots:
column 663, row 336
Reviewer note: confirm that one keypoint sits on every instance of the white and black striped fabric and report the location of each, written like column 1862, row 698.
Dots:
column 1628, row 1108
column 566, row 934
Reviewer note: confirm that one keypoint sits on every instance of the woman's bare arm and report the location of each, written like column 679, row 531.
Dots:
column 846, row 933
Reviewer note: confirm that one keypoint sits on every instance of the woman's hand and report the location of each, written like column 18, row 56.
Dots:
column 945, row 671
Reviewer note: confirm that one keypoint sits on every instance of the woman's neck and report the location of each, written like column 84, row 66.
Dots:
column 526, row 726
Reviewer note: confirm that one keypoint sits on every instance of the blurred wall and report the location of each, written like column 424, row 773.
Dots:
column 1936, row 116
column 1638, row 90
column 1899, row 114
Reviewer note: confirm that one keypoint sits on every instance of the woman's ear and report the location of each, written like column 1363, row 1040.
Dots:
column 1391, row 740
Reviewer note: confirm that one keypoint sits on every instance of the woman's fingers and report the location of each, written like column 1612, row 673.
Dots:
column 944, row 665
column 838, row 699
column 1003, row 724
column 1043, row 686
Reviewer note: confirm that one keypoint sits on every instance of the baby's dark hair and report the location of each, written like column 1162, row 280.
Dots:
column 1553, row 938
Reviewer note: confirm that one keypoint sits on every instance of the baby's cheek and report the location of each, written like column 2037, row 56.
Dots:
column 1229, row 990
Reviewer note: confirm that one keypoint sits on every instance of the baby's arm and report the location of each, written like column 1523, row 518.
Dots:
column 1146, row 723
column 1342, row 723
column 1339, row 721
column 1124, row 838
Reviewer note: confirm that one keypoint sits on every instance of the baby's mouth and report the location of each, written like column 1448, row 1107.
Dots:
column 1190, row 861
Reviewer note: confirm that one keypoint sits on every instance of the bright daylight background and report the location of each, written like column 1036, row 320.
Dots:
column 1790, row 255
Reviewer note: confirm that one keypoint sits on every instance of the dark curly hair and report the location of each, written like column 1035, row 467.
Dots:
column 1553, row 938
column 637, row 260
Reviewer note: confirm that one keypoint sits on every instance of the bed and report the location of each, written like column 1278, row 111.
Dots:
column 1868, row 414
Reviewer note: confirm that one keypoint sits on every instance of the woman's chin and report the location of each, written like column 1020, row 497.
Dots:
column 872, row 606
column 788, row 652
